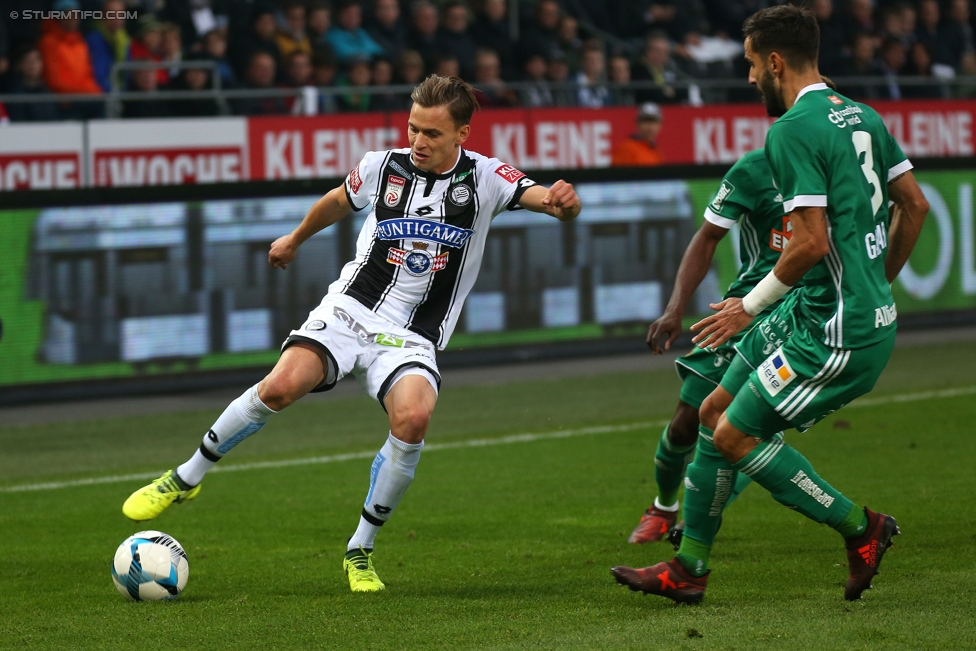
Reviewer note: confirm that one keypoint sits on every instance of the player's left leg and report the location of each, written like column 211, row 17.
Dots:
column 409, row 402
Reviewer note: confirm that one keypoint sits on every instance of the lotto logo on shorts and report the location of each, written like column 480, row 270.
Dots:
column 775, row 373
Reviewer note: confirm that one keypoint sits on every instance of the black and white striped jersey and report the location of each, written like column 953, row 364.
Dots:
column 419, row 252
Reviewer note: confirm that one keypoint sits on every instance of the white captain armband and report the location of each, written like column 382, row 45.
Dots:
column 768, row 291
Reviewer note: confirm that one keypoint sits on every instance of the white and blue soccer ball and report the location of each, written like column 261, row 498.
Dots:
column 150, row 566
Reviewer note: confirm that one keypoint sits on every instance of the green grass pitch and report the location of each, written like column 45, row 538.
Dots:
column 504, row 546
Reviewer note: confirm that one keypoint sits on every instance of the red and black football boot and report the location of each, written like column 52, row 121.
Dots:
column 864, row 553
column 654, row 524
column 668, row 579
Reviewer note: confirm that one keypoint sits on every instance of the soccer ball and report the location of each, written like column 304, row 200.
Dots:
column 150, row 566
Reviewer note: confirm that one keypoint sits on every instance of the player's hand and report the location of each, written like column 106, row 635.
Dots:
column 283, row 251
column 668, row 327
column 561, row 200
column 723, row 325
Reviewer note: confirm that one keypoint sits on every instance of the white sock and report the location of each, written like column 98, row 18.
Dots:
column 671, row 509
column 243, row 417
column 391, row 474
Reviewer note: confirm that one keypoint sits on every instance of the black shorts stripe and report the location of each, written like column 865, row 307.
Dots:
column 386, row 386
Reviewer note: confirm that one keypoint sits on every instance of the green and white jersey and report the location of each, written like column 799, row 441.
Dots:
column 747, row 197
column 829, row 151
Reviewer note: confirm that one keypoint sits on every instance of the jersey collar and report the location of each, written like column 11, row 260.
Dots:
column 808, row 89
column 436, row 177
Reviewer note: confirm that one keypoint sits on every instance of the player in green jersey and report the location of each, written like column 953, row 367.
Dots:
column 830, row 338
column 745, row 197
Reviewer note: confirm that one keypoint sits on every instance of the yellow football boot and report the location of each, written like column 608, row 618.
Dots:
column 358, row 565
column 149, row 501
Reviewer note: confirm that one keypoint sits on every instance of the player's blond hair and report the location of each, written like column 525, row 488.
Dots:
column 452, row 92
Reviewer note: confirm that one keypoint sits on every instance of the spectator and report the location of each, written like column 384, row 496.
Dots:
column 66, row 60
column 641, row 148
column 145, row 81
column 293, row 37
column 677, row 21
column 423, row 33
column 570, row 42
column 446, row 65
column 260, row 39
column 323, row 76
column 28, row 78
column 862, row 63
column 172, row 50
column 260, row 75
column 410, row 68
column 538, row 94
column 319, row 21
column 557, row 71
column 726, row 17
column 193, row 79
column 860, row 16
column 928, row 31
column 921, row 65
column 388, row 28
column 543, row 32
column 347, row 37
column 832, row 37
column 194, row 18
column 956, row 34
column 898, row 23
column 658, row 67
column 108, row 42
column 592, row 77
column 491, row 91
column 454, row 39
column 383, row 76
column 149, row 45
column 357, row 78
column 490, row 30
column 891, row 64
column 298, row 74
column 215, row 49
column 620, row 95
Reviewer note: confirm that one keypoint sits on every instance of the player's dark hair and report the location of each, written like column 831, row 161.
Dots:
column 452, row 92
column 789, row 30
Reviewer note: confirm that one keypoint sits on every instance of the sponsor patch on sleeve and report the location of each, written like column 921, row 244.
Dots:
column 355, row 181
column 723, row 193
column 775, row 373
column 509, row 173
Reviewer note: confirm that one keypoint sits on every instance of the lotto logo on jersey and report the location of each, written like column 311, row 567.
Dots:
column 775, row 373
column 355, row 181
column 509, row 173
column 394, row 189
column 779, row 239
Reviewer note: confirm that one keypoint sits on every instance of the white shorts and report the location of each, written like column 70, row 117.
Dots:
column 355, row 340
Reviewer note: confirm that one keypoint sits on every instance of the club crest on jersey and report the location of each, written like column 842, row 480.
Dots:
column 460, row 195
column 775, row 373
column 394, row 190
column 418, row 261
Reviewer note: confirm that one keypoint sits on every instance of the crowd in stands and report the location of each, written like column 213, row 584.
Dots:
column 568, row 52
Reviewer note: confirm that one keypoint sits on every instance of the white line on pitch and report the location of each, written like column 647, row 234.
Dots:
column 502, row 440
column 333, row 458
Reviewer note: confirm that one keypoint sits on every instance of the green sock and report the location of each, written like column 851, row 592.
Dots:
column 791, row 479
column 743, row 480
column 670, row 461
column 854, row 524
column 707, row 489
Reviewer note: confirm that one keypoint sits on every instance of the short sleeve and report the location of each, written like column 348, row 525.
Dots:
column 799, row 167
column 361, row 183
column 733, row 198
column 897, row 161
column 504, row 185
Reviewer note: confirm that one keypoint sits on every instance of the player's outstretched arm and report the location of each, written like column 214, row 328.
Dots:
column 323, row 213
column 559, row 200
column 909, row 213
column 808, row 245
column 694, row 265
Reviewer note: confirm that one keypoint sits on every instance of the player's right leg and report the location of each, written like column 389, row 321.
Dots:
column 300, row 369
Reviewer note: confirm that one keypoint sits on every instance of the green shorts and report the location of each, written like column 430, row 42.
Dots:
column 701, row 371
column 793, row 378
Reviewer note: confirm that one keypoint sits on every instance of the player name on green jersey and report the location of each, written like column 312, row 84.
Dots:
column 747, row 197
column 831, row 152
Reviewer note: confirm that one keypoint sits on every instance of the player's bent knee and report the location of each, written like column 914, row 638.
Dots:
column 409, row 422
column 708, row 415
column 683, row 430
column 730, row 442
